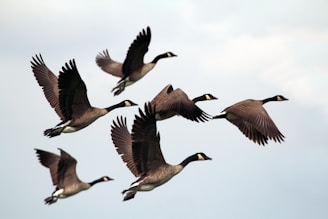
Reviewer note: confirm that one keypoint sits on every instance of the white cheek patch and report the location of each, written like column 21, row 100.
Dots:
column 207, row 97
column 127, row 103
column 200, row 157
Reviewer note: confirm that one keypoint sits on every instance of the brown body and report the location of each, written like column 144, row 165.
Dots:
column 63, row 174
column 253, row 120
column 68, row 96
column 133, row 68
column 170, row 102
column 142, row 153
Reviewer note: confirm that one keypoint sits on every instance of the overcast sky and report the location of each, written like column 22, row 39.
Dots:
column 234, row 50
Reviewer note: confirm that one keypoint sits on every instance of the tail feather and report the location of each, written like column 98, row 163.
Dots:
column 119, row 88
column 52, row 132
column 50, row 200
column 220, row 116
column 128, row 194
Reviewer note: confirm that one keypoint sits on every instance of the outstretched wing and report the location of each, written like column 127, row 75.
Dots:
column 254, row 121
column 49, row 160
column 48, row 81
column 147, row 153
column 73, row 97
column 179, row 103
column 107, row 64
column 123, row 143
column 66, row 173
column 135, row 57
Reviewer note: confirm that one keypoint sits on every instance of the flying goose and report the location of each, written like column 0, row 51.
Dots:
column 133, row 67
column 63, row 174
column 170, row 102
column 253, row 120
column 68, row 96
column 142, row 153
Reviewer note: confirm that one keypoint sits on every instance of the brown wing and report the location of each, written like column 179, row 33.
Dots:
column 48, row 81
column 162, row 94
column 254, row 121
column 108, row 65
column 66, row 173
column 49, row 160
column 250, row 131
column 147, row 153
column 73, row 97
column 135, row 57
column 263, row 122
column 123, row 143
column 179, row 103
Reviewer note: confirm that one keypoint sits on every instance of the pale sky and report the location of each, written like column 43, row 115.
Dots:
column 234, row 50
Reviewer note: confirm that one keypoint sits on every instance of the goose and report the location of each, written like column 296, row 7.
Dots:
column 63, row 174
column 253, row 120
column 67, row 94
column 142, row 153
column 170, row 102
column 133, row 67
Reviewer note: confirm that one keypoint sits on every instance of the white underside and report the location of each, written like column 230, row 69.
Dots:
column 146, row 187
column 69, row 129
column 58, row 193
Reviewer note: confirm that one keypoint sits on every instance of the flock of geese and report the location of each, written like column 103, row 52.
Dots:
column 140, row 150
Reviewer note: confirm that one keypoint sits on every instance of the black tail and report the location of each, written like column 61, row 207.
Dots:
column 128, row 194
column 50, row 200
column 222, row 116
column 119, row 88
column 52, row 132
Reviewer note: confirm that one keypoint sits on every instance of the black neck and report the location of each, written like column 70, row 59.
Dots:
column 96, row 181
column 189, row 159
column 269, row 99
column 110, row 108
column 155, row 60
column 196, row 99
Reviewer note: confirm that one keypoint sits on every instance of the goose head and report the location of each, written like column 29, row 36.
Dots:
column 170, row 54
column 101, row 179
column 274, row 98
column 280, row 98
column 106, row 178
column 128, row 103
column 202, row 156
column 204, row 97
column 124, row 103
column 195, row 157
column 164, row 55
